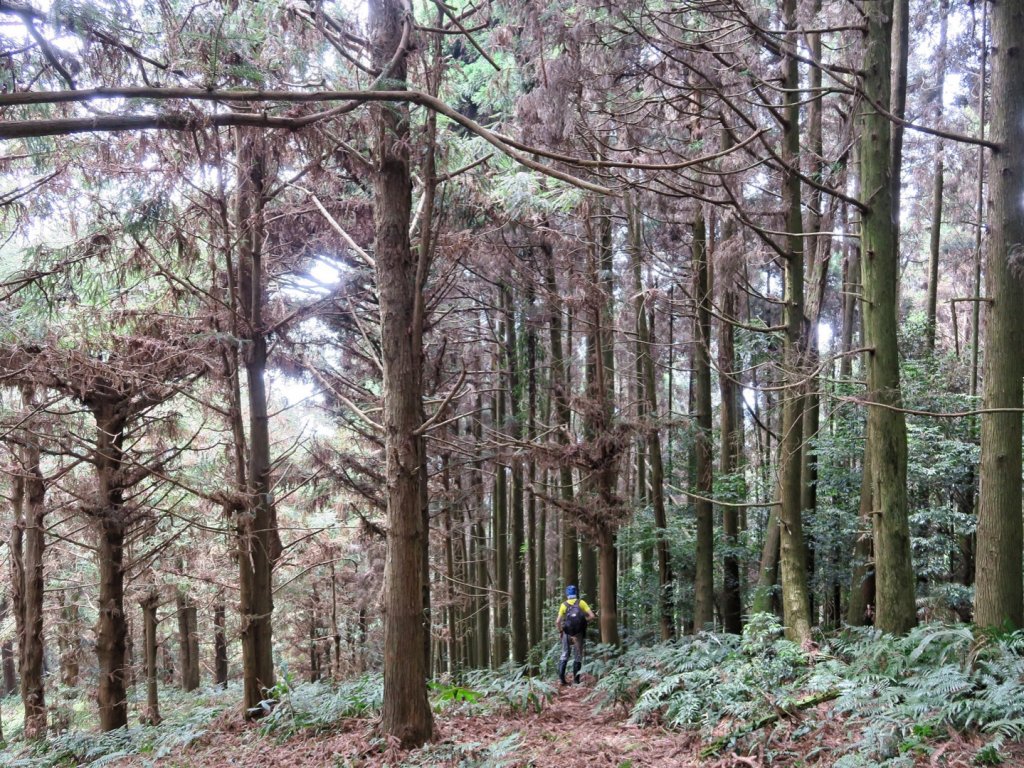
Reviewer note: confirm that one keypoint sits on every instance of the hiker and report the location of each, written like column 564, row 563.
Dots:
column 573, row 615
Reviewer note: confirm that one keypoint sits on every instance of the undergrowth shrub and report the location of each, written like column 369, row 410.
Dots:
column 899, row 696
column 187, row 718
column 509, row 689
column 320, row 706
column 696, row 682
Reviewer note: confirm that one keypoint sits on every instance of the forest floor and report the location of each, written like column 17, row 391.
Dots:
column 565, row 733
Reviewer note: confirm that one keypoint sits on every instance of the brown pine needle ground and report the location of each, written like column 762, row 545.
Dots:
column 565, row 734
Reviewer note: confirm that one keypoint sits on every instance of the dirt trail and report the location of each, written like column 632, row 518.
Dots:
column 565, row 734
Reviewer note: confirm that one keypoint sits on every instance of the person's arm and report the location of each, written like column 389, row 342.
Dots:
column 558, row 621
column 591, row 615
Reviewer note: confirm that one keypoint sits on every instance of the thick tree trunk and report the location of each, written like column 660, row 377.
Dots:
column 149, row 624
column 16, row 545
column 188, row 643
column 112, row 627
column 257, row 530
column 220, row 644
column 608, row 618
column 602, row 484
column 648, row 396
column 792, row 546
column 33, row 546
column 730, row 460
column 69, row 636
column 894, row 577
column 998, row 597
column 703, row 587
column 406, row 714
column 111, row 631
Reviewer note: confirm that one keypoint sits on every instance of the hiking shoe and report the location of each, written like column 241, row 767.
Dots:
column 577, row 678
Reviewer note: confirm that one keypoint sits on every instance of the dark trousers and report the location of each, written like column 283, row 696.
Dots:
column 576, row 644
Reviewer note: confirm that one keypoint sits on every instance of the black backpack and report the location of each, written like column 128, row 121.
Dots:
column 575, row 621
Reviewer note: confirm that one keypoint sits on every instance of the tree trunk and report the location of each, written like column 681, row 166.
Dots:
column 16, row 545
column 149, row 624
column 569, row 564
column 188, row 642
column 500, row 522
column 69, row 636
column 938, row 178
column 792, row 546
column 534, row 531
column 220, row 644
column 648, row 396
column 730, row 461
column 517, row 554
column 478, row 549
column 9, row 680
column 894, row 576
column 258, row 545
column 998, row 597
column 601, row 390
column 406, row 715
column 703, row 587
column 112, row 629
column 33, row 546
column 861, row 609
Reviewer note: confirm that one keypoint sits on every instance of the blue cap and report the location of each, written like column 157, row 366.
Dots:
column 570, row 591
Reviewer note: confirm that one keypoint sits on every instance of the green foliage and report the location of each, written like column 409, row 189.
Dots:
column 500, row 754
column 695, row 682
column 320, row 706
column 510, row 689
column 187, row 719
column 898, row 695
column 452, row 694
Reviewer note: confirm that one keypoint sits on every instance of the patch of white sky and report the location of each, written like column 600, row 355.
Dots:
column 317, row 282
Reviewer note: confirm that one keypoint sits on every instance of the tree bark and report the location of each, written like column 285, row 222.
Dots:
column 220, row 644
column 149, row 624
column 894, row 577
column 998, row 596
column 112, row 629
column 257, row 529
column 601, row 391
column 649, row 395
column 703, row 483
column 9, row 680
column 938, row 179
column 33, row 547
column 570, row 563
column 188, row 642
column 406, row 714
column 500, row 523
column 535, row 529
column 518, row 619
column 478, row 550
column 860, row 611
